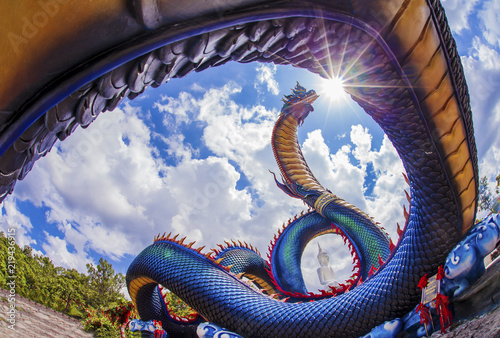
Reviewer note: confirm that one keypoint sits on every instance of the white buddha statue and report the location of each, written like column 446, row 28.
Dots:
column 325, row 272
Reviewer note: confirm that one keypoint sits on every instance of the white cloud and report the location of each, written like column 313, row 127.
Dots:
column 177, row 147
column 15, row 221
column 56, row 248
column 345, row 174
column 388, row 199
column 109, row 192
column 211, row 205
column 100, row 181
column 241, row 134
column 458, row 13
column 363, row 142
column 482, row 70
column 335, row 171
column 265, row 76
column 176, row 111
column 490, row 16
column 489, row 166
column 346, row 179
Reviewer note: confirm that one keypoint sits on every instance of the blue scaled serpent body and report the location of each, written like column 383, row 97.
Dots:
column 399, row 63
column 211, row 283
column 216, row 277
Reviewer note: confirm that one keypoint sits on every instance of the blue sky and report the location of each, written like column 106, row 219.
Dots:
column 192, row 157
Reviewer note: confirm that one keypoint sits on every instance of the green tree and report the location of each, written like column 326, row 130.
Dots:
column 39, row 280
column 486, row 196
column 67, row 290
column 104, row 284
column 71, row 287
column 177, row 306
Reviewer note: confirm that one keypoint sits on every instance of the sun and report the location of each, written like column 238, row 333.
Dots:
column 333, row 88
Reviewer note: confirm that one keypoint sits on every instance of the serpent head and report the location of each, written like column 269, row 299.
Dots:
column 299, row 104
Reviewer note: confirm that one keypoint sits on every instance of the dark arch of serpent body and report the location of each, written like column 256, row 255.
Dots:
column 64, row 62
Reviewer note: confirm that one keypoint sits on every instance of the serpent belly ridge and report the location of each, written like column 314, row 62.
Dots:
column 401, row 67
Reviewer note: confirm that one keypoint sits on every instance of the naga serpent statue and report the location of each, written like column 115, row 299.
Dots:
column 64, row 62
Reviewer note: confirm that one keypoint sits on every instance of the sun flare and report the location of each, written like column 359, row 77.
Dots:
column 333, row 88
